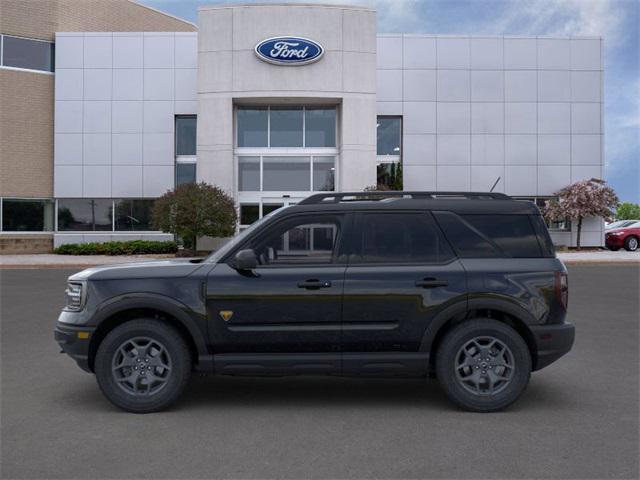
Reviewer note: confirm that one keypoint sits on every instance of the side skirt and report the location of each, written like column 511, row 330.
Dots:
column 377, row 364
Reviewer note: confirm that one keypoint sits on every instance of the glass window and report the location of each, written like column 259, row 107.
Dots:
column 286, row 127
column 324, row 174
column 286, row 173
column 320, row 127
column 466, row 240
column 26, row 53
column 252, row 126
column 85, row 215
column 401, row 238
column 249, row 213
column 185, row 173
column 514, row 234
column 133, row 215
column 249, row 174
column 26, row 215
column 267, row 208
column 186, row 135
column 389, row 132
column 389, row 174
column 299, row 241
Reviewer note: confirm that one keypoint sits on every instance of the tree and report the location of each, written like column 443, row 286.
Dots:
column 628, row 211
column 587, row 198
column 195, row 210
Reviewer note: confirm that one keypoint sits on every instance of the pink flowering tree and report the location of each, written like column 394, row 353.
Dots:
column 586, row 198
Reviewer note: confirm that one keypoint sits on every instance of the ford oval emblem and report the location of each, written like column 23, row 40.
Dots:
column 289, row 51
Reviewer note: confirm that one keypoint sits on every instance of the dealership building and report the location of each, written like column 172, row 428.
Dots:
column 120, row 103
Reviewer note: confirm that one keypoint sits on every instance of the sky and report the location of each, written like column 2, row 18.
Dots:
column 617, row 21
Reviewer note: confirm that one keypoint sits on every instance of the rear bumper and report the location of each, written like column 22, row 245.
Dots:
column 74, row 341
column 553, row 341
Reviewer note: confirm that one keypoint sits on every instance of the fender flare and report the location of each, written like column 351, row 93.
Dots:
column 496, row 302
column 178, row 310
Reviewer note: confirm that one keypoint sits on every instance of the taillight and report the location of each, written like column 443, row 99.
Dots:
column 562, row 288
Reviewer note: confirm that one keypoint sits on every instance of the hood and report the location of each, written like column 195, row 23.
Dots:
column 170, row 268
column 616, row 230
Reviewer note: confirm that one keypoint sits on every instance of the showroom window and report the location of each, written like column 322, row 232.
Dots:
column 26, row 53
column 104, row 215
column 85, row 215
column 286, row 127
column 26, row 215
column 389, row 152
column 563, row 225
column 275, row 173
column 186, row 140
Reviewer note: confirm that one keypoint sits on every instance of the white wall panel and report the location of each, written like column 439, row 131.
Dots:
column 96, row 149
column 419, row 117
column 389, row 85
column 585, row 86
column 487, row 85
column 68, row 116
column 520, row 149
column 487, row 117
column 158, row 149
column 454, row 177
column 186, row 50
column 454, row 149
column 127, row 117
column 454, row 85
column 520, row 180
column 126, row 181
column 419, row 85
column 554, row 118
column 69, row 50
column 586, row 150
column 126, row 149
column 585, row 118
column 521, row 85
column 157, row 179
column 419, row 149
column 552, row 178
column 68, row 84
column 97, row 84
column 520, row 53
column 520, row 118
column 586, row 54
column 389, row 52
column 127, row 51
column 98, row 51
column 96, row 181
column 158, row 51
column 554, row 86
column 553, row 54
column 487, row 53
column 419, row 52
column 454, row 117
column 67, row 181
column 96, row 116
column 158, row 84
column 68, row 149
column 554, row 149
column 483, row 177
column 487, row 149
column 128, row 84
column 453, row 52
column 419, row 177
column 158, row 117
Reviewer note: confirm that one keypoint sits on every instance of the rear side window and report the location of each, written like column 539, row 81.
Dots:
column 514, row 234
column 491, row 236
column 400, row 238
column 544, row 239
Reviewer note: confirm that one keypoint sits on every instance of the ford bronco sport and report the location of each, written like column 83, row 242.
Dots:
column 463, row 286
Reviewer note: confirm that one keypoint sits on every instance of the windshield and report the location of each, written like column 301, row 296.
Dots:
column 621, row 224
column 216, row 255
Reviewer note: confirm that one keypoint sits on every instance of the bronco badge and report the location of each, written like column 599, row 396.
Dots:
column 226, row 315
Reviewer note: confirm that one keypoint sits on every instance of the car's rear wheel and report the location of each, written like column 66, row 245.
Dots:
column 143, row 366
column 631, row 243
column 483, row 365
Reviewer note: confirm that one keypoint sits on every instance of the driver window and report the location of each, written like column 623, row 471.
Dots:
column 304, row 240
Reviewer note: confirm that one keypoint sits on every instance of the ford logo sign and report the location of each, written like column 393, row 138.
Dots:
column 289, row 51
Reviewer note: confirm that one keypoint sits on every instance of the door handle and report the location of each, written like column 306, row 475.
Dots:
column 314, row 284
column 431, row 283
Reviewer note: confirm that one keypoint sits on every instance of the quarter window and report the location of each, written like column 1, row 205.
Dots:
column 400, row 238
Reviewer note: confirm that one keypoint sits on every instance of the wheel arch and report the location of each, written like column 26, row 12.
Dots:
column 499, row 309
column 122, row 310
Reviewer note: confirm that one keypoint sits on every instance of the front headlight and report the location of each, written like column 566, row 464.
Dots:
column 616, row 233
column 75, row 294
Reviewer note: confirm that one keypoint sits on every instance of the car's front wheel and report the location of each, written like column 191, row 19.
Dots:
column 143, row 365
column 483, row 365
column 631, row 244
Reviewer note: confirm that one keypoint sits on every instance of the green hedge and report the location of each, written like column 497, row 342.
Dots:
column 133, row 247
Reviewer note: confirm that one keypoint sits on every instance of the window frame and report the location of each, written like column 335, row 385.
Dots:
column 22, row 69
column 345, row 226
column 355, row 247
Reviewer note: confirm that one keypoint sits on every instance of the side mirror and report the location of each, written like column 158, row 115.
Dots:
column 245, row 260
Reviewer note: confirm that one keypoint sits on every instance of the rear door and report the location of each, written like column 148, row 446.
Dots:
column 401, row 274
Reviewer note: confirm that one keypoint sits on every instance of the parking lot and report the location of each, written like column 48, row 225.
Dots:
column 578, row 418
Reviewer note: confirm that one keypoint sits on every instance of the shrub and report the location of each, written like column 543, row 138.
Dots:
column 132, row 247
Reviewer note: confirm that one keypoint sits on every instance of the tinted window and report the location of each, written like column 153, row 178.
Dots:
column 467, row 241
column 389, row 133
column 248, row 174
column 286, row 126
column 185, row 173
column 249, row 213
column 286, row 173
column 27, row 215
column 514, row 234
column 253, row 127
column 133, row 215
column 186, row 135
column 401, row 238
column 25, row 53
column 543, row 236
column 302, row 240
column 320, row 127
column 323, row 174
column 84, row 215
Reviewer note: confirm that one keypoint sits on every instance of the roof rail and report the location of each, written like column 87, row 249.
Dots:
column 336, row 197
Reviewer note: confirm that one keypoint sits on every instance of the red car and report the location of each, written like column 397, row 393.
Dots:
column 627, row 237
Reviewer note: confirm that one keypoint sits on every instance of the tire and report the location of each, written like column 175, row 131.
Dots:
column 465, row 379
column 631, row 243
column 121, row 359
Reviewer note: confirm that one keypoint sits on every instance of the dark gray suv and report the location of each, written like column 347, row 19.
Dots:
column 464, row 286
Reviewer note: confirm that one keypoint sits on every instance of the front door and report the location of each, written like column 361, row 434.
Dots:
column 292, row 302
column 401, row 273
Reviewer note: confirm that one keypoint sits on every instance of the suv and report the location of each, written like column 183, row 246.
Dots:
column 463, row 286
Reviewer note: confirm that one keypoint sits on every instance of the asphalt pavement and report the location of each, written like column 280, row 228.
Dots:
column 578, row 418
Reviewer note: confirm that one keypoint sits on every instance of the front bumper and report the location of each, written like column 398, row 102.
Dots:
column 552, row 341
column 614, row 241
column 74, row 341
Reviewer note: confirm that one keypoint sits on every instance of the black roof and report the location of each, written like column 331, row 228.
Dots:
column 458, row 202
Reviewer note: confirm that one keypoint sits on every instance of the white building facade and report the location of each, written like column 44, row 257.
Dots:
column 521, row 115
